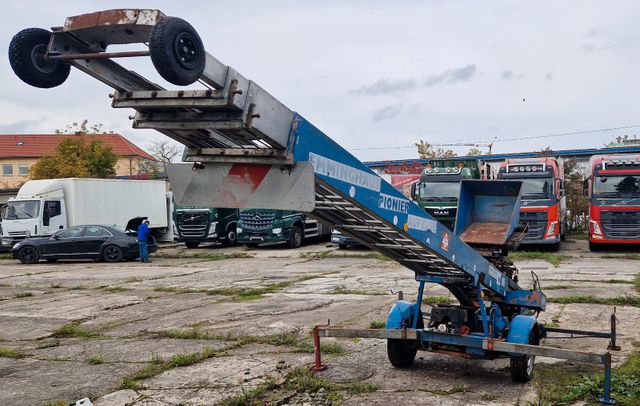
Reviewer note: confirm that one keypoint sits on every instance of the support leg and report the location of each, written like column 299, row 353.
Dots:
column 316, row 348
column 416, row 315
column 606, row 397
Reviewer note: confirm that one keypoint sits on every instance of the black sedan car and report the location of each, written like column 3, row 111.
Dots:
column 80, row 242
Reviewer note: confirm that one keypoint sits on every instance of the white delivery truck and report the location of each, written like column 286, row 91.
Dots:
column 43, row 207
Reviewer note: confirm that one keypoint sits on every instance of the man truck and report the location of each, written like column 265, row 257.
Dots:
column 42, row 207
column 439, row 186
column 259, row 226
column 196, row 225
column 544, row 205
column 613, row 188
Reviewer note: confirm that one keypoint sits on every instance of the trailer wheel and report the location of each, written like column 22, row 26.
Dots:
column 522, row 366
column 28, row 255
column 192, row 244
column 26, row 56
column 231, row 237
column 295, row 239
column 402, row 353
column 112, row 253
column 177, row 51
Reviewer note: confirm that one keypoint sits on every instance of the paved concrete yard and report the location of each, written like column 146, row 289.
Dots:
column 212, row 325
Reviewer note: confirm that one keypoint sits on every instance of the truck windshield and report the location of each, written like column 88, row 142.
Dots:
column 537, row 187
column 439, row 191
column 616, row 186
column 24, row 209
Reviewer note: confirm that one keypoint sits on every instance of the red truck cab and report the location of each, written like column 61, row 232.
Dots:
column 543, row 208
column 613, row 188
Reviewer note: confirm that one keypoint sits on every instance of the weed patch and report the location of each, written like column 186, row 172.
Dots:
column 621, row 256
column 95, row 360
column 114, row 289
column 377, row 324
column 23, row 294
column 205, row 256
column 10, row 353
column 73, row 330
column 553, row 259
column 342, row 290
column 613, row 301
column 48, row 345
column 438, row 300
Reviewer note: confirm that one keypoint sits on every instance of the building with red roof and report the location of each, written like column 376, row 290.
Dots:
column 19, row 151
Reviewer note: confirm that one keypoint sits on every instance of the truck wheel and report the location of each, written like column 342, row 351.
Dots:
column 192, row 244
column 554, row 247
column 28, row 255
column 295, row 239
column 26, row 56
column 522, row 366
column 177, row 51
column 593, row 247
column 112, row 253
column 231, row 237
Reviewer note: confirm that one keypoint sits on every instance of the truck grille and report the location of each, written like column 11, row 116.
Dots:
column 192, row 230
column 536, row 222
column 192, row 224
column 257, row 219
column 621, row 224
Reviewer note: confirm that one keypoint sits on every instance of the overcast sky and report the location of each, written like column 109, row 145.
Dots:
column 381, row 75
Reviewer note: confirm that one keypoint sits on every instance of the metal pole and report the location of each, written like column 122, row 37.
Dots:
column 316, row 348
column 98, row 55
column 483, row 312
column 612, row 343
column 416, row 316
column 606, row 398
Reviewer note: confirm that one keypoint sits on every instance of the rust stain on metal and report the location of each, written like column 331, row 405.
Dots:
column 113, row 17
column 486, row 233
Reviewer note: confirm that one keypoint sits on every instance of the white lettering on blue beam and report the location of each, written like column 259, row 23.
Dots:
column 336, row 170
column 393, row 203
column 421, row 223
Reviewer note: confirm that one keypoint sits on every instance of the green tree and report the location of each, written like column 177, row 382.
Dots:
column 77, row 157
column 577, row 203
column 426, row 150
column 474, row 152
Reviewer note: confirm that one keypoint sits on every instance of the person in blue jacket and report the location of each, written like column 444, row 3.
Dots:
column 143, row 238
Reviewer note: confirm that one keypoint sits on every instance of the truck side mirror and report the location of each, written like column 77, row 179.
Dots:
column 413, row 190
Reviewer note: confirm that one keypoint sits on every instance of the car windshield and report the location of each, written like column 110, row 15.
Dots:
column 616, row 186
column 23, row 209
column 537, row 187
column 439, row 191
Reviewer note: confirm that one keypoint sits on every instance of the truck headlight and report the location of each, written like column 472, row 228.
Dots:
column 277, row 230
column 212, row 228
column 175, row 229
column 238, row 230
column 596, row 227
column 552, row 229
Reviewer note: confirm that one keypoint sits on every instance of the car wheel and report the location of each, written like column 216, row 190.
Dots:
column 295, row 239
column 28, row 255
column 52, row 260
column 192, row 244
column 231, row 237
column 112, row 253
column 251, row 244
column 177, row 51
column 26, row 56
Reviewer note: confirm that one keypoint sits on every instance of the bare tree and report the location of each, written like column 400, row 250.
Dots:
column 165, row 152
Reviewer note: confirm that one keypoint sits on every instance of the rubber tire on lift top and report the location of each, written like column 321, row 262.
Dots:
column 177, row 51
column 295, row 238
column 522, row 367
column 402, row 353
column 26, row 56
column 192, row 244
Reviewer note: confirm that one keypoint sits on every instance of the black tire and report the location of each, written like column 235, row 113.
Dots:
column 295, row 238
column 52, row 260
column 251, row 244
column 28, row 255
column 402, row 353
column 112, row 253
column 342, row 246
column 192, row 244
column 177, row 51
column 554, row 247
column 522, row 367
column 593, row 247
column 232, row 237
column 26, row 56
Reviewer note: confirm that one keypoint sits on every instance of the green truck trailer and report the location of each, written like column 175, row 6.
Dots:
column 196, row 225
column 439, row 186
column 261, row 226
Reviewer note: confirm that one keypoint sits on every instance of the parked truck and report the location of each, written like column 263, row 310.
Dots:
column 196, row 225
column 43, row 207
column 258, row 226
column 439, row 186
column 544, row 205
column 613, row 187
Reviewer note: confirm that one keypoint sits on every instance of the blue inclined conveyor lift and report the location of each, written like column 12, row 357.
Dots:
column 248, row 150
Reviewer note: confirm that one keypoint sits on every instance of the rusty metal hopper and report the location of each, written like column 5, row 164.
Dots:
column 488, row 211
